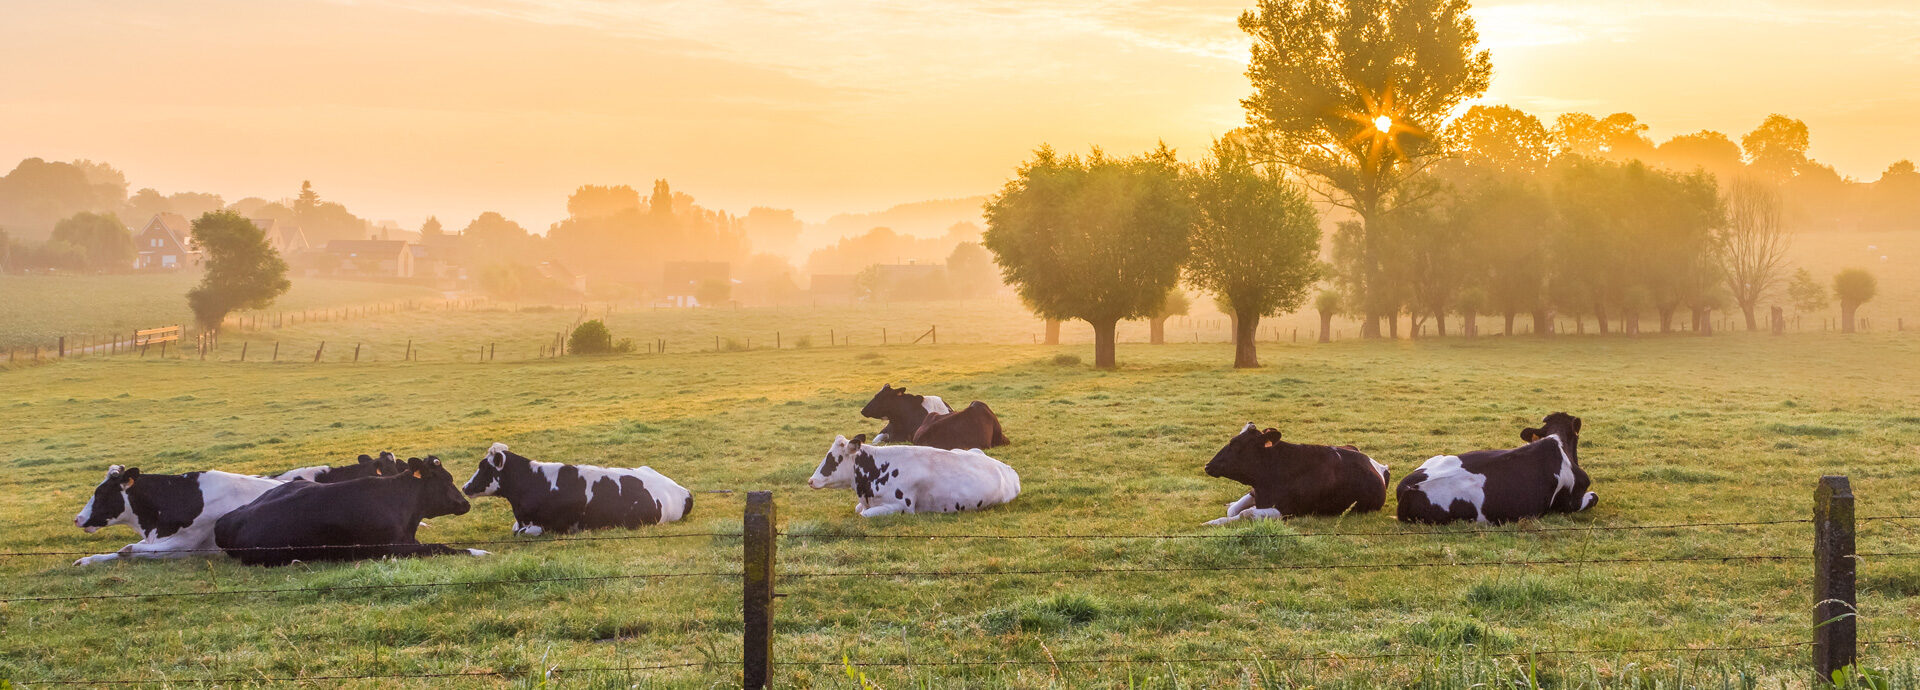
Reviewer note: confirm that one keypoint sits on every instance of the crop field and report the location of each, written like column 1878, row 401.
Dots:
column 1734, row 428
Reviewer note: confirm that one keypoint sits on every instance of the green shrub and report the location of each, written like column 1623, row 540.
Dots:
column 590, row 338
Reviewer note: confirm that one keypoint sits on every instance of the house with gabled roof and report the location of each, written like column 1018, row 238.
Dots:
column 165, row 243
column 285, row 238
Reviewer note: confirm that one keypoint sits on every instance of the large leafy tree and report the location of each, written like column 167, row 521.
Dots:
column 1256, row 242
column 1096, row 238
column 1500, row 139
column 1778, row 147
column 105, row 240
column 1854, row 287
column 243, row 271
column 1352, row 92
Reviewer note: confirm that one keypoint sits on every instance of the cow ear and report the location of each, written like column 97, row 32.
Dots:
column 1270, row 436
column 1529, row 434
column 127, row 476
column 1576, row 425
column 365, row 458
column 857, row 440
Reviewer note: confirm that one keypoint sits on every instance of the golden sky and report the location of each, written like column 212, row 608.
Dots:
column 404, row 108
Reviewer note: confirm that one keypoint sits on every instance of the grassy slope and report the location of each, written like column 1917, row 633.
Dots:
column 35, row 310
column 1678, row 430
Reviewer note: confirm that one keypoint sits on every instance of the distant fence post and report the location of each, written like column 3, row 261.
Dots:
column 63, row 346
column 756, row 603
column 276, row 350
column 318, row 350
column 243, row 351
column 1834, row 608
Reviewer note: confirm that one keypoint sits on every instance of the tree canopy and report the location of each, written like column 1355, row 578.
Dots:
column 1255, row 243
column 105, row 241
column 242, row 269
column 1096, row 238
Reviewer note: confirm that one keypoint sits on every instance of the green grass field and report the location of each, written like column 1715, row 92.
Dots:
column 36, row 310
column 1678, row 429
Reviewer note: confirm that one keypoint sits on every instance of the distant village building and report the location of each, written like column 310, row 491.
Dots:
column 684, row 283
column 284, row 238
column 165, row 243
column 371, row 258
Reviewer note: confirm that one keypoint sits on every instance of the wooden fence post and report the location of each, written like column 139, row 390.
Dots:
column 409, row 355
column 756, row 602
column 243, row 351
column 63, row 346
column 318, row 350
column 276, row 350
column 489, row 352
column 356, row 353
column 1834, row 607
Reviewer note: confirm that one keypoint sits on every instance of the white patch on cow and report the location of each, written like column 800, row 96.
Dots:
column 1244, row 503
column 477, row 552
column 220, row 493
column 1247, row 514
column 311, row 474
column 1588, row 500
column 880, row 437
column 1249, row 427
column 933, row 403
column 1448, row 481
column 1380, row 470
column 1564, row 480
column 920, row 479
column 528, row 530
column 668, row 495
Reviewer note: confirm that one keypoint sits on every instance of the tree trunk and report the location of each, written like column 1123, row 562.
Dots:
column 1702, row 321
column 1245, row 331
column 1846, row 315
column 1753, row 324
column 1393, row 326
column 1370, row 326
column 1440, row 323
column 1509, row 315
column 1053, row 332
column 1542, row 323
column 1326, row 327
column 1666, row 319
column 1157, row 330
column 1630, row 323
column 1600, row 313
column 1777, row 321
column 1103, row 344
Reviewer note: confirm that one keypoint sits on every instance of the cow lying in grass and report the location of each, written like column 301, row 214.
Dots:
column 1496, row 486
column 370, row 517
column 174, row 513
column 903, row 411
column 914, row 479
column 973, row 427
column 1290, row 479
column 384, row 466
column 552, row 497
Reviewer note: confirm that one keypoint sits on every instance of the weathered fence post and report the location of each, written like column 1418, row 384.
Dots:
column 409, row 355
column 318, row 350
column 63, row 346
column 243, row 351
column 1834, row 607
column 756, row 603
column 276, row 350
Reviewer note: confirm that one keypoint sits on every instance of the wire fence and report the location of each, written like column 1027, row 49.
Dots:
column 753, row 538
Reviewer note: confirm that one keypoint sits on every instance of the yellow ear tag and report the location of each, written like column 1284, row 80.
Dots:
column 1269, row 444
column 416, row 474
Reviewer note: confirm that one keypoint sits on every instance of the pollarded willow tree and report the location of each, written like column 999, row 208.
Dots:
column 1351, row 93
column 1255, row 244
column 1098, row 238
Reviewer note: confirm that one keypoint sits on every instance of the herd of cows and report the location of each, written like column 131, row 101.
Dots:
column 935, row 463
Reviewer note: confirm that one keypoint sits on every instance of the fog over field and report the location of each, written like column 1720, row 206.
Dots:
column 1216, row 343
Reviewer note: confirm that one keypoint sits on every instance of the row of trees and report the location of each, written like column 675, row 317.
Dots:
column 1492, row 212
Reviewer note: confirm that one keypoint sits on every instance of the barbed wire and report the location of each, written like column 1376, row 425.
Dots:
column 367, row 676
column 1243, row 536
column 1259, row 659
column 484, row 542
column 349, row 588
column 1331, row 566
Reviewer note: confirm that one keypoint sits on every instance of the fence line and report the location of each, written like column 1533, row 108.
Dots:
column 1244, row 536
column 370, row 676
column 1324, row 657
column 485, row 542
column 1335, row 566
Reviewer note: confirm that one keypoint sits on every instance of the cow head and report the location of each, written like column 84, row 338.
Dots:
column 888, row 402
column 836, row 470
column 486, row 481
column 384, row 466
column 109, row 504
column 438, row 496
column 1244, row 457
column 1561, row 424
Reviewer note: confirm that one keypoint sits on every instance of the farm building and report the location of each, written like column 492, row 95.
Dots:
column 371, row 258
column 165, row 243
column 284, row 238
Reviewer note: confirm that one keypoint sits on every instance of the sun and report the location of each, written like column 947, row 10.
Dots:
column 1383, row 123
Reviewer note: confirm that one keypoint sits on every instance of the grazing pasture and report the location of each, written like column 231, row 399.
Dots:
column 36, row 310
column 1677, row 430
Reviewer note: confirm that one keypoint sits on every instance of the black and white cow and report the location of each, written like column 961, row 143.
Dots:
column 384, row 466
column 903, row 411
column 1290, row 479
column 1497, row 486
column 914, row 479
column 369, row 517
column 552, row 497
column 174, row 513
